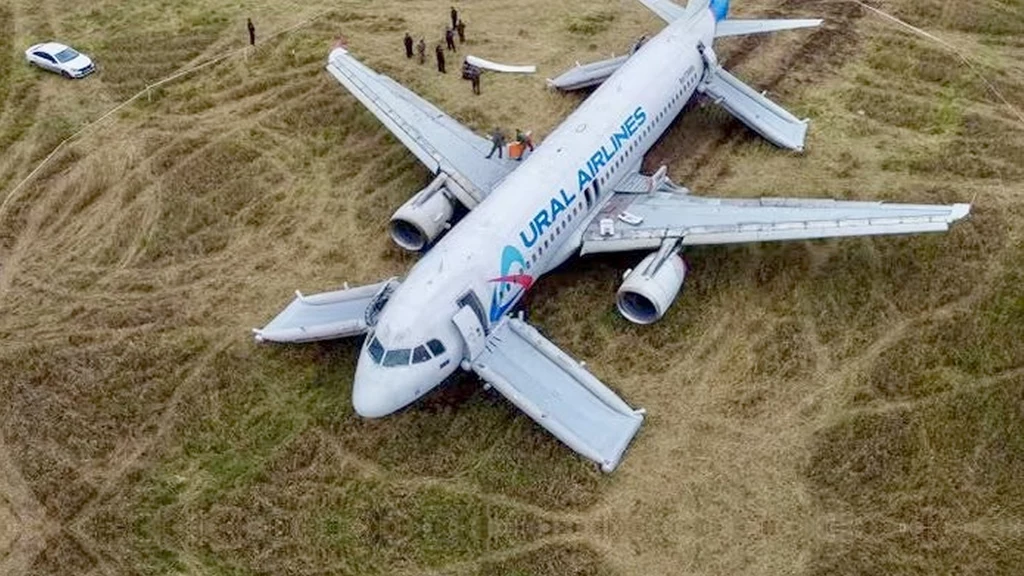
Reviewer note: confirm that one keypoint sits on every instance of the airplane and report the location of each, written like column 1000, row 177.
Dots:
column 580, row 192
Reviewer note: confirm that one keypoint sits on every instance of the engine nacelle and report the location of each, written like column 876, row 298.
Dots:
column 422, row 219
column 651, row 287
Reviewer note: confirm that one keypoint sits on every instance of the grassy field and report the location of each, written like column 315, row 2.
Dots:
column 841, row 407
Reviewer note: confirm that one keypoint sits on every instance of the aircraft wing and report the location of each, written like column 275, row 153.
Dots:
column 438, row 140
column 550, row 387
column 637, row 221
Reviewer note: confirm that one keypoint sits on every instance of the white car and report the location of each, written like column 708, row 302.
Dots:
column 61, row 59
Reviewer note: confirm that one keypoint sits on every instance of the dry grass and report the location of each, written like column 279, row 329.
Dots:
column 847, row 407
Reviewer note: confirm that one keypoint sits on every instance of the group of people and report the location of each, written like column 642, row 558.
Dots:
column 458, row 28
column 523, row 139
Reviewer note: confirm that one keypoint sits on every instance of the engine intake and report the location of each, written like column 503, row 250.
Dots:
column 651, row 287
column 422, row 219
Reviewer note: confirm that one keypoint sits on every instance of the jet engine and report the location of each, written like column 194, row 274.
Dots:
column 422, row 219
column 650, row 288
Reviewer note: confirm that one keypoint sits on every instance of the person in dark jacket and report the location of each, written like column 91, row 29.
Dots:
column 439, row 52
column 497, row 142
column 408, row 45
column 461, row 29
column 449, row 39
column 252, row 31
column 455, row 16
column 421, row 50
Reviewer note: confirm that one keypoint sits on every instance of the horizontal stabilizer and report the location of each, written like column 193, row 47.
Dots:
column 742, row 27
column 557, row 392
column 328, row 315
column 587, row 75
column 759, row 113
column 669, row 11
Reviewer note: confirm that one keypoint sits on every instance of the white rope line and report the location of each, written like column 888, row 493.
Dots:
column 13, row 193
column 963, row 57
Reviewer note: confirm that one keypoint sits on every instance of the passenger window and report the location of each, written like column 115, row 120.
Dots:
column 397, row 357
column 375, row 349
column 436, row 347
column 420, row 354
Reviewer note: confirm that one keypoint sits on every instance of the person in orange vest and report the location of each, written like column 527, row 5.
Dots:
column 525, row 140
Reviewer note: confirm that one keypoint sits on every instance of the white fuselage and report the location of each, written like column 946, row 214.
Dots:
column 532, row 221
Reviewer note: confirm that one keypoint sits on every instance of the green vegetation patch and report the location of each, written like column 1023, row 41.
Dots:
column 202, row 194
column 985, row 340
column 88, row 399
column 551, row 560
column 591, row 24
column 931, row 488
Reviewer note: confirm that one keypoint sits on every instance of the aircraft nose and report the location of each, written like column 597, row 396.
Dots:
column 372, row 397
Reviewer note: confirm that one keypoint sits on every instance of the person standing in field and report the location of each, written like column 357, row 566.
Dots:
column 439, row 52
column 421, row 50
column 252, row 31
column 455, row 17
column 408, row 45
column 461, row 29
column 474, row 78
column 449, row 39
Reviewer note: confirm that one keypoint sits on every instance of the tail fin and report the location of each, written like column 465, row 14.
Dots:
column 742, row 27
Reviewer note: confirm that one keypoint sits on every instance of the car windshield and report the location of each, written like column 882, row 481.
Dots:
column 66, row 55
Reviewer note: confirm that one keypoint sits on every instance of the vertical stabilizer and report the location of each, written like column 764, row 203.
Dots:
column 720, row 8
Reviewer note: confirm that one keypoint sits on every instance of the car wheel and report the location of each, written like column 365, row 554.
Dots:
column 65, row 74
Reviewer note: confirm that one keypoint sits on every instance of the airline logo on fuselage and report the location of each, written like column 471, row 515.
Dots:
column 547, row 216
column 513, row 281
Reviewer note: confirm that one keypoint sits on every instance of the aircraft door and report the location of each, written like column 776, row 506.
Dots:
column 472, row 331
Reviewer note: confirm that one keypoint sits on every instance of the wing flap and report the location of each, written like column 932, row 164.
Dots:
column 698, row 220
column 557, row 392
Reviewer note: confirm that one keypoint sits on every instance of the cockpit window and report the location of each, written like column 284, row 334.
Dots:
column 397, row 357
column 376, row 350
column 420, row 354
column 436, row 347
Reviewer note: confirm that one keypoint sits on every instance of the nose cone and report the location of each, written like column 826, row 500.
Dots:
column 372, row 396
